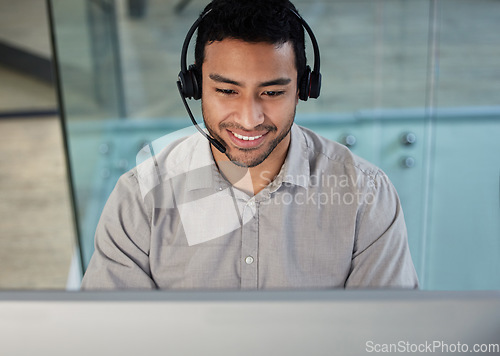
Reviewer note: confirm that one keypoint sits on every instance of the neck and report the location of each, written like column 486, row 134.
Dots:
column 254, row 179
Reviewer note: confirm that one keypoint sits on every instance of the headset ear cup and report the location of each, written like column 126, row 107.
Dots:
column 305, row 84
column 196, row 80
column 315, row 85
column 190, row 83
column 186, row 84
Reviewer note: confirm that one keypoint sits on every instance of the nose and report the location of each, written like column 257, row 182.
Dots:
column 251, row 113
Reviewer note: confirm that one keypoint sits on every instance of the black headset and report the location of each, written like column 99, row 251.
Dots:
column 189, row 84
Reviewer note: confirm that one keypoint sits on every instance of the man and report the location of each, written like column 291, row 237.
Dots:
column 277, row 207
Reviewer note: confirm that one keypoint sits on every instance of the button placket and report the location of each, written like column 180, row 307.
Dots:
column 249, row 246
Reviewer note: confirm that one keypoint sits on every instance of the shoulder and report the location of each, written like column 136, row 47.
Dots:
column 167, row 157
column 330, row 157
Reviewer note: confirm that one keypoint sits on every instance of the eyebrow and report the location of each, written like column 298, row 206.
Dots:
column 220, row 79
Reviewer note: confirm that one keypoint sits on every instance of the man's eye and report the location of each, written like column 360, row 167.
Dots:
column 225, row 91
column 274, row 93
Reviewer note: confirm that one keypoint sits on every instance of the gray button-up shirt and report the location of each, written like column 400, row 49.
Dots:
column 329, row 219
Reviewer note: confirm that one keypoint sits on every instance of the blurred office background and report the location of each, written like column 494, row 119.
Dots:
column 411, row 85
column 37, row 238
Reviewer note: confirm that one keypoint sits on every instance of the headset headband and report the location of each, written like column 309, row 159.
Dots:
column 189, row 35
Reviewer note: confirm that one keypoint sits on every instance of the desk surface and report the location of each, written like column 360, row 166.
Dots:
column 247, row 323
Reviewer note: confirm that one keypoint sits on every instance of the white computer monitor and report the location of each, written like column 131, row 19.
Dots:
column 287, row 323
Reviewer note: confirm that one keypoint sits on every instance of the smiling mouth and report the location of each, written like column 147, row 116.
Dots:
column 246, row 138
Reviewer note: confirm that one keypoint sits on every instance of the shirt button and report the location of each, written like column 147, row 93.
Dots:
column 249, row 260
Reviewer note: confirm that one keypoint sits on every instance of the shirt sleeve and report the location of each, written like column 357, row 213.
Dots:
column 122, row 240
column 381, row 256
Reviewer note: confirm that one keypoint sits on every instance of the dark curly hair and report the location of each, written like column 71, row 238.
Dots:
column 269, row 21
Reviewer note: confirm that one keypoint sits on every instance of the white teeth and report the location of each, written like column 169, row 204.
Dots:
column 246, row 138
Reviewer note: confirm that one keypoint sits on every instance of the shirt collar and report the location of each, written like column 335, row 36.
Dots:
column 202, row 167
column 296, row 169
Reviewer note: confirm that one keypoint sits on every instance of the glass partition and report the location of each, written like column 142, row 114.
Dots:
column 412, row 86
column 463, row 229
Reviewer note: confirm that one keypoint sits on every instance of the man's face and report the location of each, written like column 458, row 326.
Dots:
column 249, row 98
